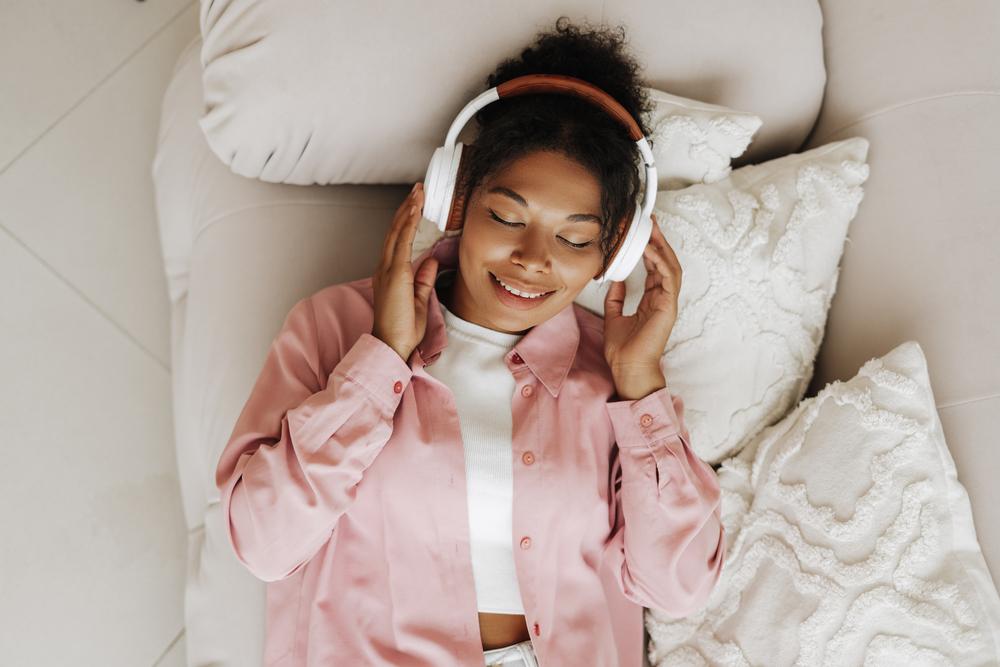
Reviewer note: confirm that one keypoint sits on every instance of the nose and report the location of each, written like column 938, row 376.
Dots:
column 533, row 254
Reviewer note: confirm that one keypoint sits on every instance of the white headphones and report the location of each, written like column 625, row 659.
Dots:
column 445, row 208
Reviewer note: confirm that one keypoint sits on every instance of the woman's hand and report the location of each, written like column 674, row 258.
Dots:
column 633, row 344
column 400, row 297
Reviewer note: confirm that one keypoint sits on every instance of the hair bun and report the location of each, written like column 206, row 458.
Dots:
column 596, row 55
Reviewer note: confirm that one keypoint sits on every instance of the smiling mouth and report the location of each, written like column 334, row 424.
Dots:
column 543, row 294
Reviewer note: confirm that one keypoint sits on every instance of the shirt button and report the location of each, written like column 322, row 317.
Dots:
column 528, row 458
column 538, row 630
column 525, row 542
column 398, row 387
column 646, row 420
column 527, row 390
column 517, row 358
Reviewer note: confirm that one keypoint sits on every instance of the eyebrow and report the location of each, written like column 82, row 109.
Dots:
column 576, row 217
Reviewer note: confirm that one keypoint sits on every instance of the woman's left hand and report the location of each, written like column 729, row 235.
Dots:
column 633, row 344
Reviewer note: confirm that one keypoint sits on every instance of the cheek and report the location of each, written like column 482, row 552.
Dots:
column 484, row 247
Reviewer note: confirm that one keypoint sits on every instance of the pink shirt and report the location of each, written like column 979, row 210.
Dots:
column 344, row 484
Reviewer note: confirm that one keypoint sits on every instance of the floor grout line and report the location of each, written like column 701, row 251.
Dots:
column 106, row 316
column 97, row 85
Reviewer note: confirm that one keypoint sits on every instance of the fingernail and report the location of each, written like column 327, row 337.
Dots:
column 413, row 209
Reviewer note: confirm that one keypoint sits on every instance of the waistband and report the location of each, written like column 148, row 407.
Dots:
column 521, row 654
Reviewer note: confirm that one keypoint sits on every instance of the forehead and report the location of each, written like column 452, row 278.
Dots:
column 548, row 179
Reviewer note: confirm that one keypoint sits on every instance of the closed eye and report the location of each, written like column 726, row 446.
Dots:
column 578, row 246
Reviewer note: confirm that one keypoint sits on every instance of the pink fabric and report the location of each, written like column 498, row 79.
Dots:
column 344, row 484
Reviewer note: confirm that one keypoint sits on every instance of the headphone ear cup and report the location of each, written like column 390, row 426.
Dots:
column 459, row 200
column 628, row 248
column 615, row 254
column 436, row 185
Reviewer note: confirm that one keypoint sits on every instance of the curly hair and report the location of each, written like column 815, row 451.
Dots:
column 512, row 128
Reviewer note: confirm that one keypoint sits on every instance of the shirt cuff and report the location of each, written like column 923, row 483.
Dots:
column 378, row 368
column 644, row 421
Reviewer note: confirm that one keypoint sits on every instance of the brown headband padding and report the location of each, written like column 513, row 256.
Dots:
column 542, row 83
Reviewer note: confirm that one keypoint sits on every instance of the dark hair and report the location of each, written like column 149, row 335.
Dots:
column 512, row 128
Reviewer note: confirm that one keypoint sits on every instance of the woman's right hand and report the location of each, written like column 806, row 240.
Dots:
column 400, row 297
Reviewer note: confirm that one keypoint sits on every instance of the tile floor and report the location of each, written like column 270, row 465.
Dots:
column 94, row 544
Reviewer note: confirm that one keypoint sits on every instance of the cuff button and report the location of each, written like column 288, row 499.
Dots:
column 646, row 419
column 398, row 387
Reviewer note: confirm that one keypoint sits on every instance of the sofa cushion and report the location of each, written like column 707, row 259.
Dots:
column 308, row 91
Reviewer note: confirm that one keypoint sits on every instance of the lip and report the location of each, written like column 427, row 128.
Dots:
column 514, row 301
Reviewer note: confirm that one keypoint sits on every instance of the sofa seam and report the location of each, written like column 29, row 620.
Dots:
column 892, row 107
column 223, row 216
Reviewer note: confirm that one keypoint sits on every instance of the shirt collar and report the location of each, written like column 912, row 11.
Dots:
column 548, row 349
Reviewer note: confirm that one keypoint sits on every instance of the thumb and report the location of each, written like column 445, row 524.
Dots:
column 614, row 300
column 425, row 279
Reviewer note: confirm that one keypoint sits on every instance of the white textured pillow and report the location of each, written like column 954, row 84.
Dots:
column 849, row 539
column 694, row 142
column 760, row 251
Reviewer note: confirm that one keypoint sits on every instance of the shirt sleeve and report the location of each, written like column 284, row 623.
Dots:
column 299, row 449
column 667, row 544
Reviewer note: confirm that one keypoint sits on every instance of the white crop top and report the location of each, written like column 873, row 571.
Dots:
column 472, row 366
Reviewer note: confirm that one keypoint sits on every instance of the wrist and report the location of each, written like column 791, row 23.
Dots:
column 639, row 386
column 398, row 351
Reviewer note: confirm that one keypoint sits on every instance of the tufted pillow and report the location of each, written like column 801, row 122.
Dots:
column 694, row 142
column 849, row 539
column 759, row 251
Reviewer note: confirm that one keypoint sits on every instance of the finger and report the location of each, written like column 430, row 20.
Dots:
column 669, row 280
column 660, row 241
column 652, row 273
column 669, row 254
column 669, row 267
column 614, row 300
column 660, row 272
column 424, row 285
column 390, row 237
column 388, row 247
column 424, row 280
column 404, row 239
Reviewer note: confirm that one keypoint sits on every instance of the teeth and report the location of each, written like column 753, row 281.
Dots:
column 525, row 295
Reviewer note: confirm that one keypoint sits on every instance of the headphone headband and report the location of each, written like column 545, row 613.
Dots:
column 543, row 83
column 443, row 204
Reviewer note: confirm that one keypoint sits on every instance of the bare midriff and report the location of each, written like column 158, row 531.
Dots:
column 502, row 629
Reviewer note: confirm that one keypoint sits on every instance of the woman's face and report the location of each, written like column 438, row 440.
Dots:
column 552, row 204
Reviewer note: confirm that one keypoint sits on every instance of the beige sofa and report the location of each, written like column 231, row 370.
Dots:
column 920, row 83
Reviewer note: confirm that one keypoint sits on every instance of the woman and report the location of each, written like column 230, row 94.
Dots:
column 455, row 436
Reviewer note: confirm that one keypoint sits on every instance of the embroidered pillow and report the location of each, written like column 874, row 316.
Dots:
column 759, row 251
column 849, row 539
column 694, row 142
